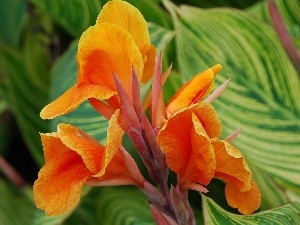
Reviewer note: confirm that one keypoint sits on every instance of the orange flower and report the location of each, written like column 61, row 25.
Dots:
column 185, row 141
column 73, row 158
column 116, row 44
column 189, row 140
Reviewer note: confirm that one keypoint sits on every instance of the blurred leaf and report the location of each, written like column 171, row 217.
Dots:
column 287, row 214
column 74, row 16
column 160, row 36
column 263, row 97
column 123, row 205
column 272, row 195
column 152, row 12
column 217, row 3
column 13, row 14
column 24, row 93
column 289, row 11
column 16, row 209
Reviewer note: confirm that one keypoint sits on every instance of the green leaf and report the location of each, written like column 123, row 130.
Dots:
column 123, row 205
column 272, row 195
column 216, row 3
column 152, row 12
column 13, row 15
column 15, row 208
column 160, row 36
column 74, row 16
column 289, row 11
column 25, row 95
column 263, row 96
column 287, row 214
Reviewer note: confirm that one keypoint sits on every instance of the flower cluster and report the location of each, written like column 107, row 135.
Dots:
column 114, row 57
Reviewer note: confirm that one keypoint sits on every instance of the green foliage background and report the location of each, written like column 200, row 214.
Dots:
column 38, row 44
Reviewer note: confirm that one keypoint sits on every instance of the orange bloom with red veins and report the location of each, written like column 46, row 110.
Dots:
column 73, row 158
column 116, row 44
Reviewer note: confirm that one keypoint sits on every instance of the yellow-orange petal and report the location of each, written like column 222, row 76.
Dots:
column 202, row 163
column 128, row 17
column 113, row 143
column 90, row 150
column 73, row 97
column 231, row 167
column 59, row 185
column 148, row 53
column 107, row 49
column 185, row 142
column 193, row 91
column 246, row 202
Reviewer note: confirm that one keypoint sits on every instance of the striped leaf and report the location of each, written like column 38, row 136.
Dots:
column 122, row 206
column 289, row 11
column 74, row 16
column 25, row 95
column 16, row 209
column 287, row 214
column 263, row 97
column 13, row 15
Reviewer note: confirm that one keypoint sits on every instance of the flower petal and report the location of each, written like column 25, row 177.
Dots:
column 193, row 91
column 73, row 97
column 90, row 150
column 231, row 166
column 202, row 163
column 246, row 202
column 128, row 17
column 113, row 142
column 59, row 185
column 107, row 49
column 184, row 139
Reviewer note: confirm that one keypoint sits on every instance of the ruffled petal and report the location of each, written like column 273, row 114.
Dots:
column 246, row 202
column 107, row 49
column 90, row 150
column 73, row 97
column 231, row 166
column 208, row 118
column 59, row 185
column 202, row 163
column 128, row 17
column 174, row 139
column 194, row 91
column 113, row 143
column 184, row 139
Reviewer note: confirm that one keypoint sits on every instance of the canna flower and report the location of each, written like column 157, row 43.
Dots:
column 73, row 159
column 189, row 138
column 116, row 44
